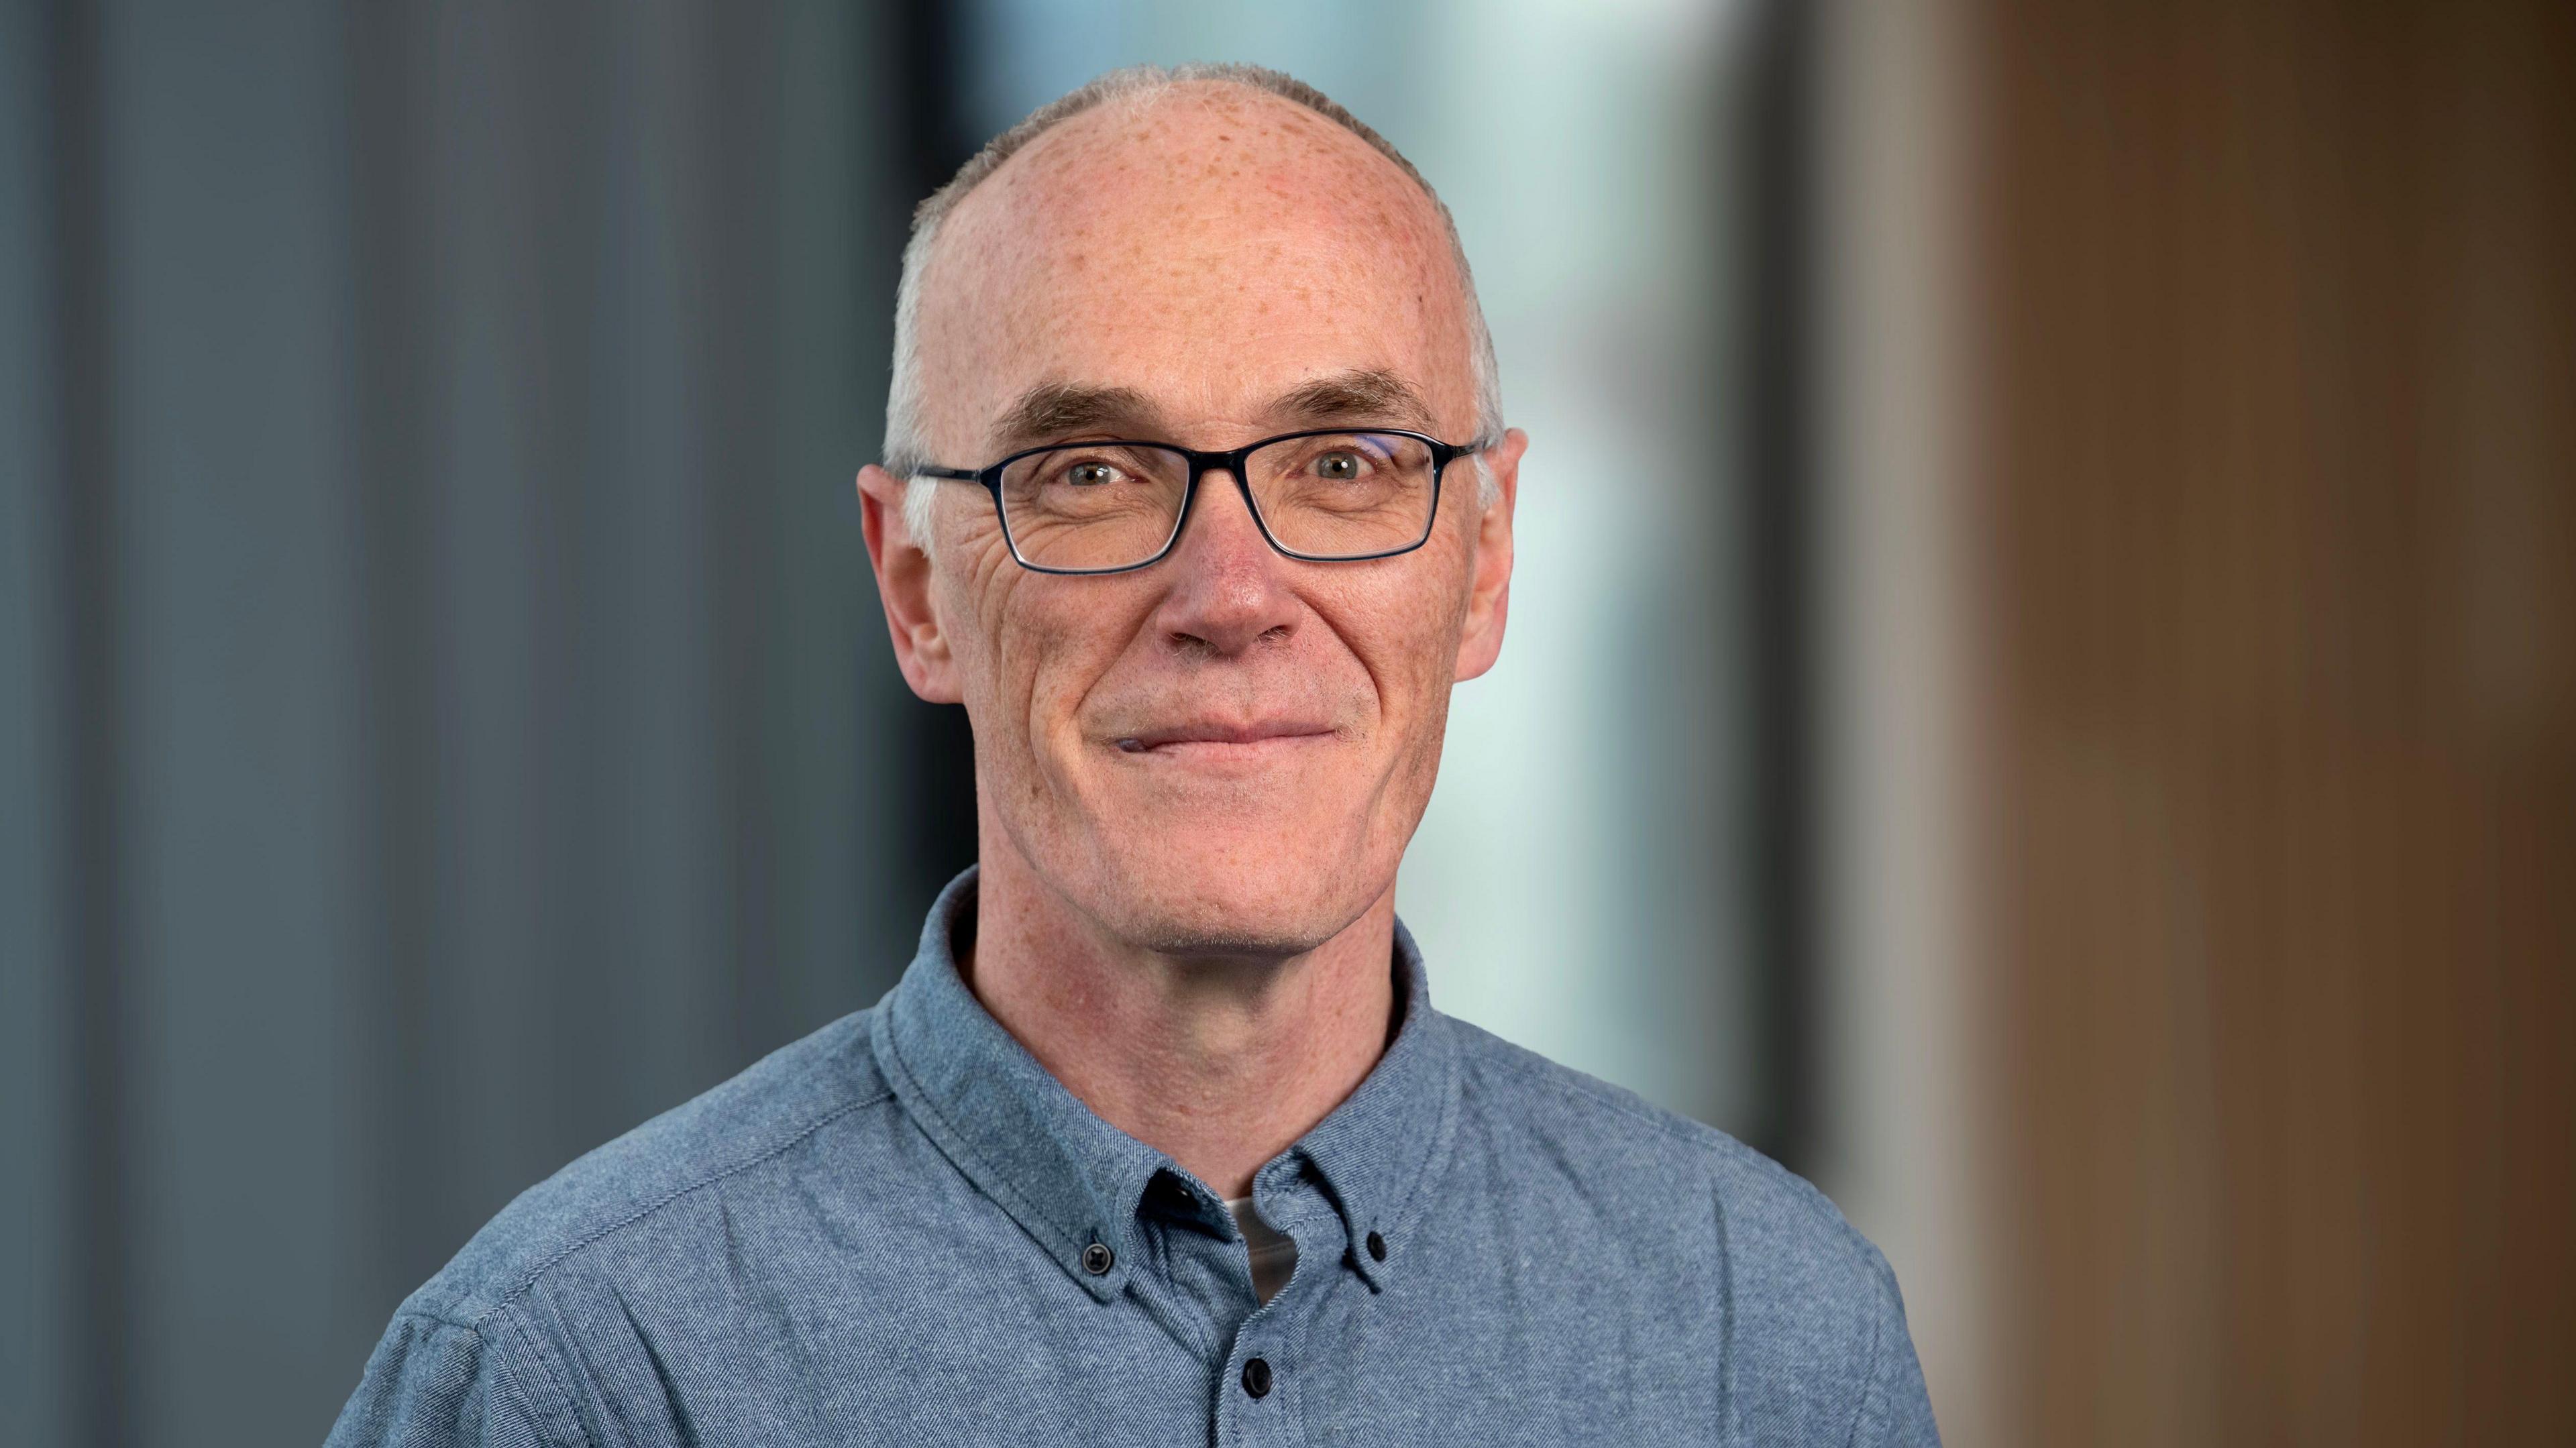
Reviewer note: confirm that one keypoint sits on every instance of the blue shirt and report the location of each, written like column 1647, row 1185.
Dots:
column 901, row 1229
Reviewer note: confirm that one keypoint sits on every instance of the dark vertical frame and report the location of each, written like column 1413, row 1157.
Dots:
column 1777, row 564
column 98, row 1399
column 389, row 311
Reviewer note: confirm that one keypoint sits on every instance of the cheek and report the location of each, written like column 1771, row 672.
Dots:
column 1405, row 636
column 977, row 584
column 1425, row 612
column 1052, row 668
column 1030, row 654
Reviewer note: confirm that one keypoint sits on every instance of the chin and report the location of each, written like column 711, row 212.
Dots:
column 1223, row 892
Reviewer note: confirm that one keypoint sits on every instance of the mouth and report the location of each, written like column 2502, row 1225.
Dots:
column 1215, row 742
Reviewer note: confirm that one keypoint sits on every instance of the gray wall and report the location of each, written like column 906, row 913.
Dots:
column 443, row 711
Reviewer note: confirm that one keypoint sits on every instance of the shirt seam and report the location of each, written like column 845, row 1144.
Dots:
column 565, row 1424
column 657, row 1204
column 1726, row 1344
column 1869, row 1382
column 502, row 1353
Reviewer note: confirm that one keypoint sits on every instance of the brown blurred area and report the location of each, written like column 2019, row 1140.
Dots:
column 2275, row 420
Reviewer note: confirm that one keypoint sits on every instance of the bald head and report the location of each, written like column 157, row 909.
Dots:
column 1200, row 235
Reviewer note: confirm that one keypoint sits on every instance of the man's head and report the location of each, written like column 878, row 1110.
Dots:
column 1227, row 750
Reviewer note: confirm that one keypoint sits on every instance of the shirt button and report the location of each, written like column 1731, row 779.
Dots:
column 1097, row 1259
column 1377, row 1247
column 1256, row 1377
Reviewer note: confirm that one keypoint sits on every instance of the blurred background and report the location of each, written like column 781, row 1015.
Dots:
column 2042, row 688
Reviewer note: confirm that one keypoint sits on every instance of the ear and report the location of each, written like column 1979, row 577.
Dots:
column 904, row 586
column 1489, row 594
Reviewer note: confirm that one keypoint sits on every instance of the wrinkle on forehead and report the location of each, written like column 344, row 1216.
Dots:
column 1205, row 208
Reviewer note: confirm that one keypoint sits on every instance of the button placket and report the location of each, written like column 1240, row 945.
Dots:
column 1259, row 1386
column 1256, row 1391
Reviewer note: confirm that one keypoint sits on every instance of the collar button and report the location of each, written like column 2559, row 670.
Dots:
column 1376, row 1247
column 1098, row 1259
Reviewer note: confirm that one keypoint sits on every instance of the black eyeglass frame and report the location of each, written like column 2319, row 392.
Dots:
column 1230, row 462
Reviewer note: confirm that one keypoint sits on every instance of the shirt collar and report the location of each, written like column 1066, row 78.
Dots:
column 1072, row 1179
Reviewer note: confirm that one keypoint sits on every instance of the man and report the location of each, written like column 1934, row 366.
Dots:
column 1197, row 499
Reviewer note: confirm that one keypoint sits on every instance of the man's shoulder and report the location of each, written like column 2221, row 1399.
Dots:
column 1814, row 1326
column 1780, row 1236
column 754, row 1122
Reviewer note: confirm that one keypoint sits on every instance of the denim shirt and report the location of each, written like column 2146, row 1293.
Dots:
column 901, row 1229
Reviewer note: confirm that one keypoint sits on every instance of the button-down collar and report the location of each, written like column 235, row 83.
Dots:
column 1071, row 1179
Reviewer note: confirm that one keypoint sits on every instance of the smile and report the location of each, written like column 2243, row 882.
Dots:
column 1216, row 742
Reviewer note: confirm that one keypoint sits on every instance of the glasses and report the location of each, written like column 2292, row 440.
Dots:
column 1327, row 495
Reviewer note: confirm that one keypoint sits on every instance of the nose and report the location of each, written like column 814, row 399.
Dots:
column 1228, row 588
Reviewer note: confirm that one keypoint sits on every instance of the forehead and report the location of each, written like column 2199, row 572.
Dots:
column 1210, row 246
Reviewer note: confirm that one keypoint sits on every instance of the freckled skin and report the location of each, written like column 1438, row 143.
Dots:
column 1212, row 249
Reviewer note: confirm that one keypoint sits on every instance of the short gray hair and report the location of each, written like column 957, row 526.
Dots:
column 905, row 447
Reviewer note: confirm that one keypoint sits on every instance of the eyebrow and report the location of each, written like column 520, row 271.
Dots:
column 1053, row 410
column 1362, row 395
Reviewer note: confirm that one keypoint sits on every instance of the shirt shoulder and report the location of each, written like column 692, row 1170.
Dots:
column 747, row 1125
column 1813, row 1317
column 1616, row 1136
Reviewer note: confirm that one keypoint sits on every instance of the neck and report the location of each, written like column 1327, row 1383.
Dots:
column 1219, row 1062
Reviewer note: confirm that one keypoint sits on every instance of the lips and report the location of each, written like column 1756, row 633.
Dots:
column 1170, row 737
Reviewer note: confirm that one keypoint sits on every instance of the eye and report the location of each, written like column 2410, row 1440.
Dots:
column 1339, row 466
column 1090, row 474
